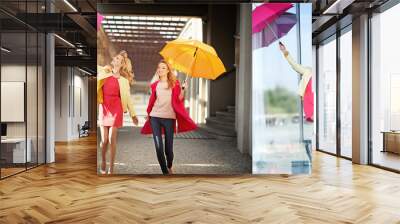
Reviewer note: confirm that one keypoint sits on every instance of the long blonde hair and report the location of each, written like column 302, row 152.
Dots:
column 126, row 68
column 171, row 76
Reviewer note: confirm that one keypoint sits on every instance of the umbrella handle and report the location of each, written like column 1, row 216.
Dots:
column 195, row 52
column 184, row 83
column 273, row 32
column 192, row 63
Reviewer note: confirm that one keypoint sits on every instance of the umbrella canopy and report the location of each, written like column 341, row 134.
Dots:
column 266, row 13
column 100, row 19
column 275, row 30
column 194, row 58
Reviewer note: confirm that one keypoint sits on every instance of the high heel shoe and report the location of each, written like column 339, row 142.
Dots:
column 102, row 172
column 109, row 171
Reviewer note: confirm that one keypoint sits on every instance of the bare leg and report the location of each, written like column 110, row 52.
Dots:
column 113, row 143
column 103, row 145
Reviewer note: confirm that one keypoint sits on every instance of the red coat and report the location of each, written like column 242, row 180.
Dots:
column 185, row 123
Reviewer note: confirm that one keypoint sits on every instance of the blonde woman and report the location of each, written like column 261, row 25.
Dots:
column 113, row 97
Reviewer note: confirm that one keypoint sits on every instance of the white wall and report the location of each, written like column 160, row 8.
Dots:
column 70, row 83
column 14, row 73
column 61, row 111
column 33, row 126
column 80, row 84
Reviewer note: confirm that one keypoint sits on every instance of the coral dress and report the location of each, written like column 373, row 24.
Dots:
column 110, row 111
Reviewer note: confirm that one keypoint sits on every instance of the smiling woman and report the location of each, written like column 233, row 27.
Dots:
column 201, row 93
column 113, row 98
column 166, row 114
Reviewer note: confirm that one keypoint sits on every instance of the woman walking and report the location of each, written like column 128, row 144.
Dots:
column 113, row 97
column 164, row 110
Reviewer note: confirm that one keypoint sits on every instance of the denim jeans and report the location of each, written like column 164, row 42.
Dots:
column 168, row 124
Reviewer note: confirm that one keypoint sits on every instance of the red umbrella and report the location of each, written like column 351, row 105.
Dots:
column 267, row 13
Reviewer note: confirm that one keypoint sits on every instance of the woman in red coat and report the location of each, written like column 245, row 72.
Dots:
column 165, row 109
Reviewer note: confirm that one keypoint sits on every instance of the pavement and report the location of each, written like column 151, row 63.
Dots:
column 136, row 155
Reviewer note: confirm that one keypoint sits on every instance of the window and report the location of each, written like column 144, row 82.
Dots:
column 327, row 96
column 278, row 130
column 385, row 89
column 22, row 76
column 346, row 93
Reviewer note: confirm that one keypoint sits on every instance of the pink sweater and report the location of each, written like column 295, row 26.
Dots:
column 163, row 106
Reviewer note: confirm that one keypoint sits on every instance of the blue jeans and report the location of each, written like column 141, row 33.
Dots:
column 168, row 124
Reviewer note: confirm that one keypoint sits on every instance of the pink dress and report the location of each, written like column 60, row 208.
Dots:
column 110, row 111
column 308, row 102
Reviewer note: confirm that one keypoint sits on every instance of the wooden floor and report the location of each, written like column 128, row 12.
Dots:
column 387, row 159
column 5, row 172
column 70, row 191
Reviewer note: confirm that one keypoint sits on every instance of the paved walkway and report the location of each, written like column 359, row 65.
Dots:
column 136, row 155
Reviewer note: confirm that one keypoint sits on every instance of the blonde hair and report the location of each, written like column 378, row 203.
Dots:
column 171, row 75
column 127, row 69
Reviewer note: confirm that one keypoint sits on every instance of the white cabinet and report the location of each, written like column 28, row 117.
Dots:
column 19, row 155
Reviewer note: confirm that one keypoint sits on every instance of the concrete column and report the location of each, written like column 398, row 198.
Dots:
column 360, row 90
column 314, row 84
column 220, row 34
column 50, row 98
column 244, row 82
column 92, row 105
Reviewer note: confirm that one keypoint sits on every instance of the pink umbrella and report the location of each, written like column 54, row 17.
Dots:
column 267, row 13
column 274, row 30
column 99, row 20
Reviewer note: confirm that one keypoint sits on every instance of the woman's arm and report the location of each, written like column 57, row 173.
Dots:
column 297, row 67
column 152, row 99
column 130, row 106
column 305, row 72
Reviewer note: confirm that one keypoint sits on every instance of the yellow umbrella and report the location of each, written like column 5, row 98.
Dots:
column 194, row 58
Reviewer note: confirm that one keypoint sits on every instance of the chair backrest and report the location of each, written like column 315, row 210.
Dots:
column 86, row 124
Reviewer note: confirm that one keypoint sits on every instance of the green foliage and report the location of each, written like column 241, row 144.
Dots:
column 280, row 100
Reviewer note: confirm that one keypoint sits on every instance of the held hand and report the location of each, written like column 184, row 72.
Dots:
column 182, row 94
column 135, row 120
column 184, row 85
column 283, row 49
